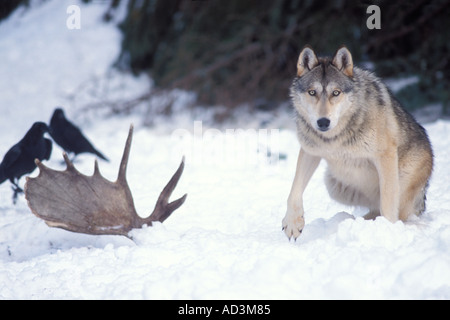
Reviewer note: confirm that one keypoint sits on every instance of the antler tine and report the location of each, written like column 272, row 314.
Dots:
column 126, row 153
column 96, row 169
column 68, row 162
column 163, row 209
column 38, row 163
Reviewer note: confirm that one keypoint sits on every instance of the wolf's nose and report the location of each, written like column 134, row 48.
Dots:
column 323, row 124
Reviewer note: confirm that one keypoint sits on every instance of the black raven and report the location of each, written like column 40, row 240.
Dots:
column 19, row 160
column 69, row 137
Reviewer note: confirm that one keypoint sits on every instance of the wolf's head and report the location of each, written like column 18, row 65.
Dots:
column 321, row 90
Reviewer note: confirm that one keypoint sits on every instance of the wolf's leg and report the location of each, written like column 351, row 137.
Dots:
column 415, row 170
column 387, row 166
column 407, row 206
column 371, row 215
column 293, row 221
column 349, row 195
column 412, row 200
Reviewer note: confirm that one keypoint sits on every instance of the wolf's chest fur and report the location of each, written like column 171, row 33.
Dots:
column 348, row 154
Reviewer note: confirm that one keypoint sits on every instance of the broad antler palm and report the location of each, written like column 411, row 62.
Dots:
column 92, row 204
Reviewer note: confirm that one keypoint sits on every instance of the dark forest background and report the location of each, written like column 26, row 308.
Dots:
column 245, row 51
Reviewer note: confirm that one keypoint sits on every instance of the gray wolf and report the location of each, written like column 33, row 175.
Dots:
column 377, row 155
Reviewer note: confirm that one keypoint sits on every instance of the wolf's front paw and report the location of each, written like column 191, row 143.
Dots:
column 293, row 225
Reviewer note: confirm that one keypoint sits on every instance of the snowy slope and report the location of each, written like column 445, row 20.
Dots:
column 226, row 241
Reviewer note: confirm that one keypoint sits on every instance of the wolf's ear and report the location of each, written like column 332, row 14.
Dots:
column 343, row 61
column 306, row 61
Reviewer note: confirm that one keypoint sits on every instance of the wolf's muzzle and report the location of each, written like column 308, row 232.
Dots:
column 323, row 124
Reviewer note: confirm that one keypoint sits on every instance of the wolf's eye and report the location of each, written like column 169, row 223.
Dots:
column 336, row 93
column 312, row 92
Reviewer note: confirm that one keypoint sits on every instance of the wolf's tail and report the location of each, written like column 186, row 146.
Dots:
column 421, row 200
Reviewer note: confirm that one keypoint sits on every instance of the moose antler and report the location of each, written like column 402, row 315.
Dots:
column 91, row 204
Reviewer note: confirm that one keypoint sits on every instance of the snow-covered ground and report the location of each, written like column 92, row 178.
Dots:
column 226, row 241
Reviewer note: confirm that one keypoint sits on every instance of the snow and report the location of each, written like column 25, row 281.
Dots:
column 226, row 241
